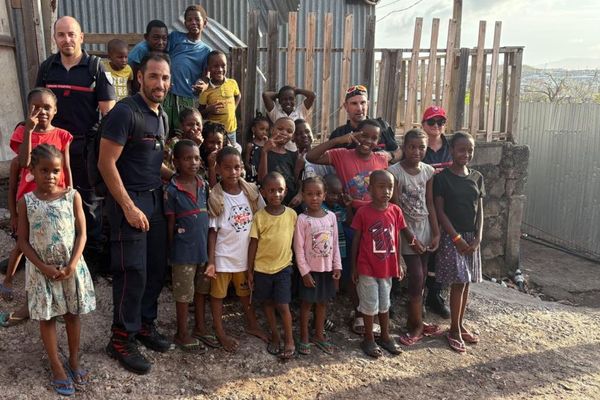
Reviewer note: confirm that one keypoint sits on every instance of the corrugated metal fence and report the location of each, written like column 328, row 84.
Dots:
column 563, row 186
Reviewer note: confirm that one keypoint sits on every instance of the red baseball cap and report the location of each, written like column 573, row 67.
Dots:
column 432, row 112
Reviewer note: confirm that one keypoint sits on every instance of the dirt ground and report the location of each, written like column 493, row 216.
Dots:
column 529, row 348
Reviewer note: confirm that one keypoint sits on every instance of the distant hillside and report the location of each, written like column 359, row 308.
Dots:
column 572, row 63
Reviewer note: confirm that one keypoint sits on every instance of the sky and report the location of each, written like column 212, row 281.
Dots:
column 550, row 30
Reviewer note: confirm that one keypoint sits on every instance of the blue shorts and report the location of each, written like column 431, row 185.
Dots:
column 276, row 287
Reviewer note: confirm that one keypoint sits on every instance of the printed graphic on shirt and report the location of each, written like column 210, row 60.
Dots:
column 412, row 199
column 358, row 186
column 322, row 241
column 383, row 240
column 240, row 218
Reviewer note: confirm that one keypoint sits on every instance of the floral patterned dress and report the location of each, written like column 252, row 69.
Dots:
column 52, row 236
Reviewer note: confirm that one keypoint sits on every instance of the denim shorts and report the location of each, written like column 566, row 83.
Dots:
column 373, row 294
column 276, row 287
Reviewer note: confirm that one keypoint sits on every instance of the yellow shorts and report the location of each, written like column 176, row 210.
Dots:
column 189, row 279
column 218, row 288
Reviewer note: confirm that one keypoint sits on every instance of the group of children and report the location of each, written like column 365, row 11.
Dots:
column 280, row 213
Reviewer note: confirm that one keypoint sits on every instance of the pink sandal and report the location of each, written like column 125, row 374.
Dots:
column 408, row 340
column 455, row 344
column 470, row 338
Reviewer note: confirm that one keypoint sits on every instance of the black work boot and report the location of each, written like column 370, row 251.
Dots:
column 149, row 337
column 435, row 301
column 123, row 347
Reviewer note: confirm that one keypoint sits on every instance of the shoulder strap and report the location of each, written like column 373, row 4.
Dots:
column 94, row 68
column 138, row 116
column 45, row 67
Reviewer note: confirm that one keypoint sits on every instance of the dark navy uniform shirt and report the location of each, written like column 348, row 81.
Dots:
column 191, row 222
column 439, row 159
column 140, row 162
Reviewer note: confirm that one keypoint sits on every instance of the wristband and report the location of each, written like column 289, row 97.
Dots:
column 456, row 238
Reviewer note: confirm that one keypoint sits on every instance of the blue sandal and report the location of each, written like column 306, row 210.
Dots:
column 64, row 387
column 79, row 377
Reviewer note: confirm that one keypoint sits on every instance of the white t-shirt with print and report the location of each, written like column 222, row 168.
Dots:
column 233, row 233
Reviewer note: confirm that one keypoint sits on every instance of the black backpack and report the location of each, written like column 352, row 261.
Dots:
column 92, row 142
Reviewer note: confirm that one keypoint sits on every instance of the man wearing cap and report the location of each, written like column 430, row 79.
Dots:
column 438, row 156
column 356, row 105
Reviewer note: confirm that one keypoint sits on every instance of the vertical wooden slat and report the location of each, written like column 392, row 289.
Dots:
column 482, row 96
column 504, row 98
column 471, row 85
column 421, row 102
column 476, row 94
column 346, row 60
column 326, row 84
column 272, row 51
column 450, row 55
column 369, row 52
column 382, row 88
column 401, row 113
column 493, row 82
column 515, row 92
column 459, row 101
column 427, row 97
column 291, row 48
column 249, row 90
column 392, row 80
column 309, row 60
column 438, row 81
column 412, row 75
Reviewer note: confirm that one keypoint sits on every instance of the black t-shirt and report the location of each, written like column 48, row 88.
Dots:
column 285, row 165
column 140, row 162
column 439, row 159
column 386, row 138
column 77, row 106
column 461, row 196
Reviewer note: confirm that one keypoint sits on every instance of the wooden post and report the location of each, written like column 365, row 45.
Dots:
column 427, row 97
column 482, row 96
column 515, row 92
column 291, row 48
column 309, row 61
column 438, row 81
column 448, row 68
column 493, row 81
column 455, row 78
column 346, row 60
column 33, row 34
column 459, row 100
column 382, row 88
column 272, row 51
column 326, row 84
column 504, row 98
column 476, row 94
column 392, row 85
column 249, row 90
column 369, row 52
column 401, row 114
column 412, row 75
column 419, row 104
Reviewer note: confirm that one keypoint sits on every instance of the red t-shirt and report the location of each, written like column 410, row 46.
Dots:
column 379, row 246
column 57, row 137
column 354, row 172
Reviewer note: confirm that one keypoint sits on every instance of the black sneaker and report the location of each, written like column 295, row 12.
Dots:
column 435, row 303
column 149, row 337
column 124, row 348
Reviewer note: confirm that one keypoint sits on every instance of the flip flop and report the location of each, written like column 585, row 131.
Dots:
column 195, row 347
column 455, row 345
column 325, row 346
column 408, row 340
column 390, row 346
column 303, row 348
column 7, row 293
column 287, row 354
column 469, row 337
column 64, row 387
column 371, row 349
column 329, row 325
column 209, row 340
column 274, row 349
column 358, row 327
column 8, row 319
column 80, row 377
column 432, row 330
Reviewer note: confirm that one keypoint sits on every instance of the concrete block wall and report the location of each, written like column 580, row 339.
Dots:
column 504, row 168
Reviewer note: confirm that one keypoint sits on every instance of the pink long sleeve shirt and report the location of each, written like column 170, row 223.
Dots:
column 316, row 244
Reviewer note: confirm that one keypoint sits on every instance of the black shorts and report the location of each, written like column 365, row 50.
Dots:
column 276, row 287
column 323, row 291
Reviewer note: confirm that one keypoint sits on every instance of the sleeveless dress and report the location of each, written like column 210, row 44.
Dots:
column 52, row 236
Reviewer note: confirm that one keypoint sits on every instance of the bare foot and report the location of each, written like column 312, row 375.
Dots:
column 259, row 333
column 228, row 343
column 183, row 340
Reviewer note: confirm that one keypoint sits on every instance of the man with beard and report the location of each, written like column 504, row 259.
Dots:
column 131, row 165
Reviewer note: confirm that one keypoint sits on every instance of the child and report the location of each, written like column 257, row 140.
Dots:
column 375, row 259
column 318, row 259
column 214, row 140
column 116, row 65
column 190, row 122
column 257, row 137
column 219, row 101
column 187, row 219
column 52, row 236
column 38, row 129
column 155, row 39
column 303, row 139
column 458, row 193
column 275, row 157
column 270, row 262
column 413, row 192
column 283, row 104
column 232, row 205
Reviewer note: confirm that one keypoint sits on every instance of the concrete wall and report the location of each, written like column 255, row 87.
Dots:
column 504, row 167
column 10, row 101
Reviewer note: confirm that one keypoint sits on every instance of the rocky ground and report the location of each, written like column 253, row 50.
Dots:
column 530, row 348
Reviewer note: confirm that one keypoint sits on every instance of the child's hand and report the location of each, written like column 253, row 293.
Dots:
column 211, row 160
column 354, row 276
column 401, row 272
column 14, row 223
column 211, row 271
column 216, row 108
column 51, row 271
column 418, row 247
column 308, row 281
column 296, row 200
column 270, row 144
column 32, row 118
column 461, row 245
column 337, row 274
column 348, row 138
column 200, row 86
column 65, row 273
column 435, row 242
column 250, row 280
column 473, row 246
